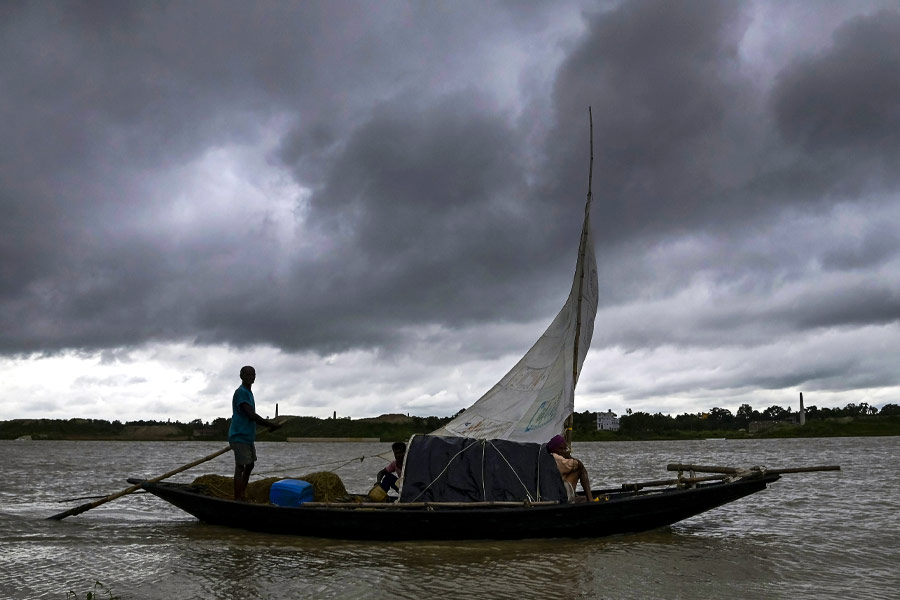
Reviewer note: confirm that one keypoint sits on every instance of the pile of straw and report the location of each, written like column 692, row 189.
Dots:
column 327, row 487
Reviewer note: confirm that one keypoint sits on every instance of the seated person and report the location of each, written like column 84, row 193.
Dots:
column 571, row 469
column 388, row 476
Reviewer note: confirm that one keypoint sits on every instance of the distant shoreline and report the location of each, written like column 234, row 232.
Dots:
column 847, row 430
column 393, row 428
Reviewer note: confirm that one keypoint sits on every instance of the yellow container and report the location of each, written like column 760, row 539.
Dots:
column 377, row 494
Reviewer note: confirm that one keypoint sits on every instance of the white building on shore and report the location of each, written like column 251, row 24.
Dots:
column 607, row 421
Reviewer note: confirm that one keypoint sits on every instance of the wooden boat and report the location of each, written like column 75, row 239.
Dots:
column 506, row 485
column 615, row 512
column 515, row 488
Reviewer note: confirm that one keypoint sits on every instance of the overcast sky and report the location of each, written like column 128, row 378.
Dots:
column 378, row 204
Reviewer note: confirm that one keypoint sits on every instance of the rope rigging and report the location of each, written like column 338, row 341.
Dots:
column 344, row 463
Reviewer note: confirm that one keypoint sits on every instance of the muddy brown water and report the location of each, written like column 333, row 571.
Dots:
column 810, row 535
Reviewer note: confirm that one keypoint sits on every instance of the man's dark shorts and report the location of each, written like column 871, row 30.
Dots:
column 244, row 454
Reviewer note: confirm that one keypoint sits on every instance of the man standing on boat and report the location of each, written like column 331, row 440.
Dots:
column 242, row 433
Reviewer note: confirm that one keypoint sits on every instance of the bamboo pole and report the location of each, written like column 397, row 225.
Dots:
column 733, row 471
column 662, row 482
column 804, row 469
column 726, row 473
column 700, row 468
column 85, row 507
column 570, row 421
column 408, row 505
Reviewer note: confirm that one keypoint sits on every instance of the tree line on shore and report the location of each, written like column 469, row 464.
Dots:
column 217, row 429
column 866, row 419
column 632, row 425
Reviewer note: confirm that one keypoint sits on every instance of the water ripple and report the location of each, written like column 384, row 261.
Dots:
column 810, row 535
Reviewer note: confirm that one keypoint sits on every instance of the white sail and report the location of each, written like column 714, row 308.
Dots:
column 533, row 401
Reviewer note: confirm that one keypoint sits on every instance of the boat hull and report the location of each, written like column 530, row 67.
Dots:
column 621, row 513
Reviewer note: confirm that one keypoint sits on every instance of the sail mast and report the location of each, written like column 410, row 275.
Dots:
column 535, row 400
column 581, row 250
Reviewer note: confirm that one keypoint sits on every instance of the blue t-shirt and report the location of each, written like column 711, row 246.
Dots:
column 242, row 429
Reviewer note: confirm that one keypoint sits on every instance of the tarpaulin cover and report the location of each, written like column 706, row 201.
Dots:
column 454, row 469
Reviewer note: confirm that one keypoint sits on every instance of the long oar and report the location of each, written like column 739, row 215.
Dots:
column 84, row 507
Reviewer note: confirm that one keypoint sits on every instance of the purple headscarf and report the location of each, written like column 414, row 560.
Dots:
column 557, row 442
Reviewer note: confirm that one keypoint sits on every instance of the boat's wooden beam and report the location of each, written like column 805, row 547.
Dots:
column 407, row 505
column 804, row 469
column 700, row 468
column 663, row 482
column 734, row 471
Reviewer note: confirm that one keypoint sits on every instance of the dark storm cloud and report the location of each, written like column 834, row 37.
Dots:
column 691, row 154
column 422, row 208
column 426, row 201
column 665, row 89
column 97, row 98
column 686, row 139
column 422, row 195
column 846, row 99
column 839, row 115
column 424, row 185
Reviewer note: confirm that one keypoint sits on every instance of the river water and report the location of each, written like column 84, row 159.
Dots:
column 810, row 535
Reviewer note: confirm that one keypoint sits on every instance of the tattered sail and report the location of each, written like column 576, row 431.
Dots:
column 533, row 401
